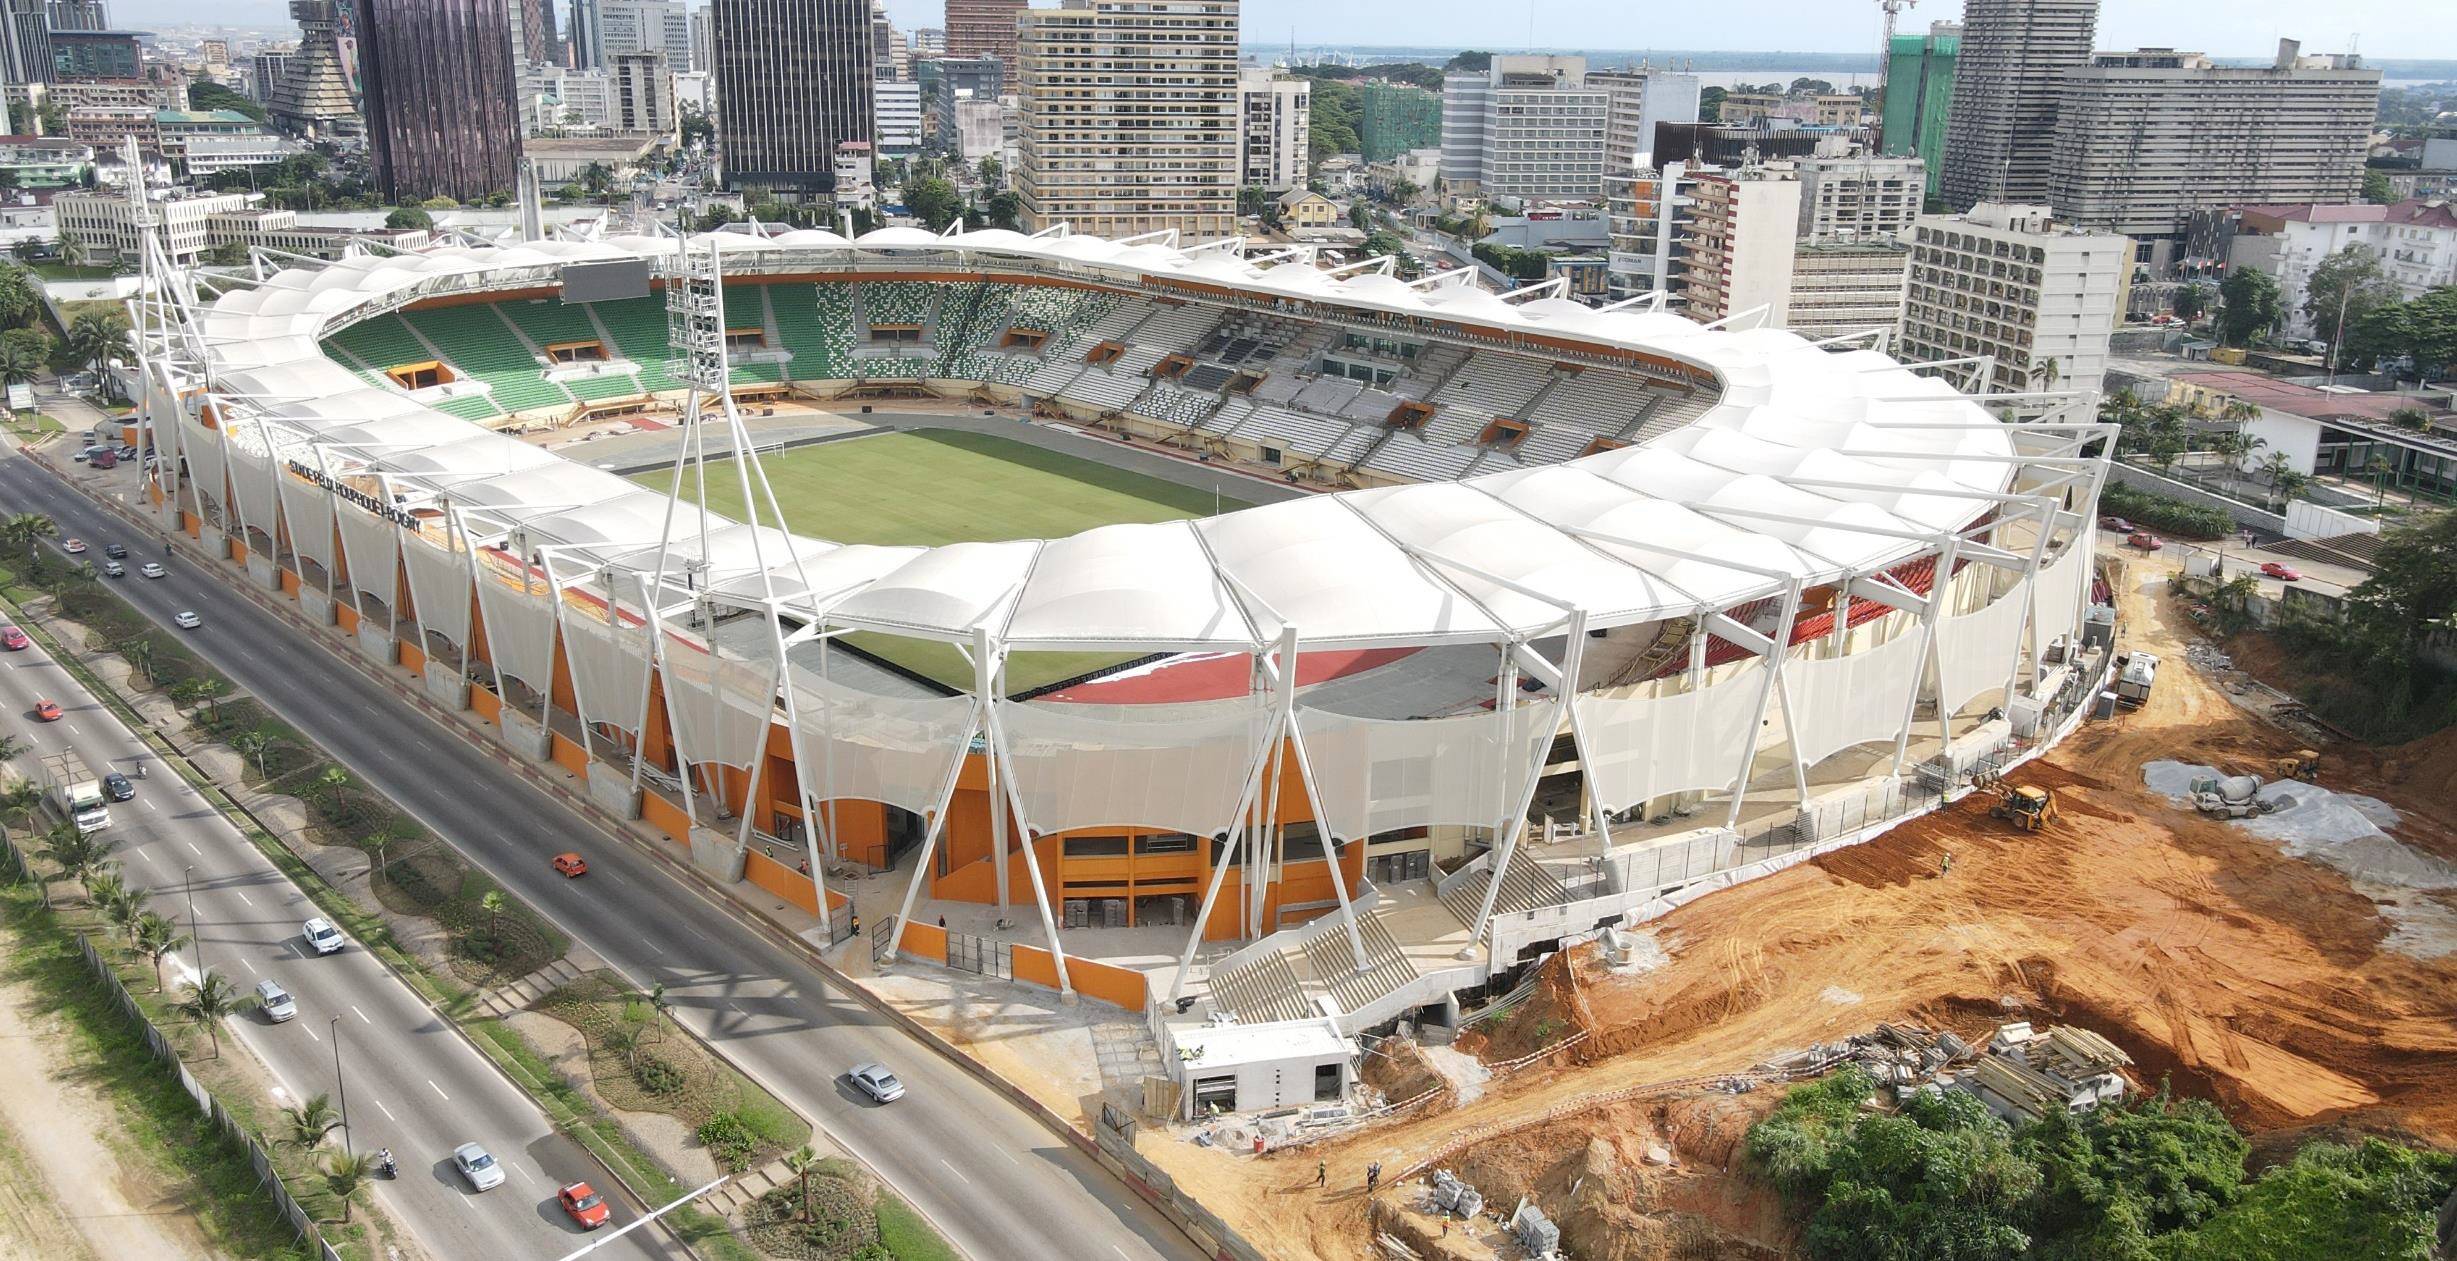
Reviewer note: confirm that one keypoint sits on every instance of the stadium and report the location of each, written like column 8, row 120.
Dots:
column 1476, row 614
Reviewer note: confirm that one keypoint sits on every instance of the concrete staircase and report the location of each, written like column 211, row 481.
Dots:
column 1333, row 962
column 1527, row 885
column 1262, row 990
column 505, row 1000
column 744, row 1188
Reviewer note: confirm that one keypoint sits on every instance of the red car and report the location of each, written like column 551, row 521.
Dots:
column 47, row 711
column 2144, row 540
column 2281, row 571
column 584, row 1205
column 13, row 639
column 571, row 865
column 2118, row 524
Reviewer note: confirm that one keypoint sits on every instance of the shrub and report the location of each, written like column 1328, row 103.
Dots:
column 728, row 1140
column 656, row 1076
column 2162, row 512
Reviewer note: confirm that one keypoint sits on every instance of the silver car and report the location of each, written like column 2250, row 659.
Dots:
column 875, row 1081
column 275, row 1001
column 478, row 1166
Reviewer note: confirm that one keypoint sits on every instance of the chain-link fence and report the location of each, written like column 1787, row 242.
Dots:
column 268, row 1178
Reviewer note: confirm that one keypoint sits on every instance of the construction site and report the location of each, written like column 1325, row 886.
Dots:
column 2292, row 959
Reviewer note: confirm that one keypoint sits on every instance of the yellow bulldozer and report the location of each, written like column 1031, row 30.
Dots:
column 2301, row 764
column 2026, row 806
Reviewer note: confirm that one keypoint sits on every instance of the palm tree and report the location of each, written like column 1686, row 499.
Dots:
column 211, row 998
column 800, row 1160
column 10, row 746
column 492, row 904
column 157, row 939
column 19, row 363
column 309, row 1122
column 138, row 652
column 122, row 907
column 26, row 529
column 346, row 1173
column 20, row 798
column 252, row 745
column 331, row 782
column 97, row 337
column 76, row 853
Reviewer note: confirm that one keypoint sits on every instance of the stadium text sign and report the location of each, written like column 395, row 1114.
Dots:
column 389, row 512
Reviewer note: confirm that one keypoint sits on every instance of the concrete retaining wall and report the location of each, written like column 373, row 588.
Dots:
column 445, row 685
column 610, row 790
column 715, row 854
column 2243, row 514
column 526, row 738
column 265, row 573
column 375, row 643
column 316, row 605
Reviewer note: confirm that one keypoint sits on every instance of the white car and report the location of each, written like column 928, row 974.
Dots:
column 875, row 1081
column 477, row 1166
column 322, row 937
column 151, row 569
column 186, row 620
column 276, row 1001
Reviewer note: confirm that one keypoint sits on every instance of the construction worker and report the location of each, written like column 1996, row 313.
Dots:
column 1373, row 1176
column 1945, row 867
column 857, row 923
column 1322, row 1173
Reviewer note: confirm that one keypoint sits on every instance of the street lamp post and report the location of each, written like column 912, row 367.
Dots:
column 340, row 1084
column 196, row 936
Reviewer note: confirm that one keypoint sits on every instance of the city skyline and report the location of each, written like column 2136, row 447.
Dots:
column 2249, row 30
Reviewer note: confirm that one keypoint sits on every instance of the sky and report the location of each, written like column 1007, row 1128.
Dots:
column 2389, row 28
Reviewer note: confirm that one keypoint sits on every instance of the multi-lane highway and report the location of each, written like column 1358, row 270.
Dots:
column 413, row 1085
column 999, row 1184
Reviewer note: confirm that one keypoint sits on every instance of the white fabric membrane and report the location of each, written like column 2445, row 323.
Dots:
column 372, row 547
column 520, row 629
column 1640, row 748
column 438, row 581
column 1376, row 775
column 720, row 704
column 857, row 745
column 1181, row 767
column 1855, row 698
column 1975, row 650
column 609, row 665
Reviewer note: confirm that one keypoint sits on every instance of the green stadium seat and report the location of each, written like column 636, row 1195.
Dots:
column 477, row 343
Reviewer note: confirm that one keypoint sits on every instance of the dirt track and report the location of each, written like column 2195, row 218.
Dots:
column 2238, row 973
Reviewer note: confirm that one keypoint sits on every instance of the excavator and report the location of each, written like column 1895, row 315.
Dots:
column 2301, row 764
column 2026, row 806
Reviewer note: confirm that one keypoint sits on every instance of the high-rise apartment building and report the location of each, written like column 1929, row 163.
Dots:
column 533, row 29
column 1859, row 196
column 272, row 65
column 2013, row 283
column 2143, row 139
column 1637, row 101
column 983, row 28
column 952, row 81
column 1530, row 128
column 1274, row 129
column 1394, row 118
column 605, row 29
column 1919, row 96
column 643, row 95
column 2008, row 76
column 1812, row 242
column 703, row 40
column 1128, row 116
column 897, row 128
column 313, row 96
column 793, row 81
column 442, row 97
column 1737, row 230
column 1843, row 287
column 79, row 15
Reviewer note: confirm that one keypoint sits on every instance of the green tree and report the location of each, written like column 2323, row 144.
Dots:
column 122, row 907
column 76, row 854
column 1471, row 61
column 204, row 94
column 409, row 217
column 211, row 999
column 346, row 1174
column 308, row 1124
column 96, row 338
column 18, row 299
column 330, row 783
column 1006, row 210
column 2376, row 188
column 934, row 201
column 2192, row 301
column 2248, row 306
column 2412, row 589
column 799, row 1162
column 157, row 939
column 492, row 904
column 2410, row 418
column 2345, row 287
column 252, row 745
column 2331, row 1203
column 19, row 363
column 26, row 529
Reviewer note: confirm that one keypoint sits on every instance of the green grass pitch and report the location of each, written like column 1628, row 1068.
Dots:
column 931, row 487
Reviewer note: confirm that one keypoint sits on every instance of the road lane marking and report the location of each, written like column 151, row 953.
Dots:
column 960, row 1174
column 312, row 1033
column 362, row 1016
column 251, row 968
column 379, row 1106
column 1010, row 1156
column 147, row 804
column 193, row 850
column 244, row 897
column 438, row 1090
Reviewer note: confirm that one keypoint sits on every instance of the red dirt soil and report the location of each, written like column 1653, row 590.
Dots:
column 2239, row 974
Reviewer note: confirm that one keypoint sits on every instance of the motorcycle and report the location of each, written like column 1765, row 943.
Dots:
column 385, row 1167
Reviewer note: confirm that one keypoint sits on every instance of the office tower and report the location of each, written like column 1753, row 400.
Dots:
column 2008, row 75
column 606, row 29
column 91, row 55
column 2010, row 282
column 896, row 129
column 1919, row 96
column 25, row 42
column 2144, row 139
column 643, row 95
column 1636, row 103
column 584, row 35
column 272, row 66
column 79, row 15
column 1129, row 116
column 1394, row 118
column 954, row 80
column 442, row 97
column 793, row 81
column 930, row 41
column 531, row 29
column 983, row 28
column 1529, row 128
column 1274, row 129
column 703, row 40
column 313, row 98
column 1856, row 195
